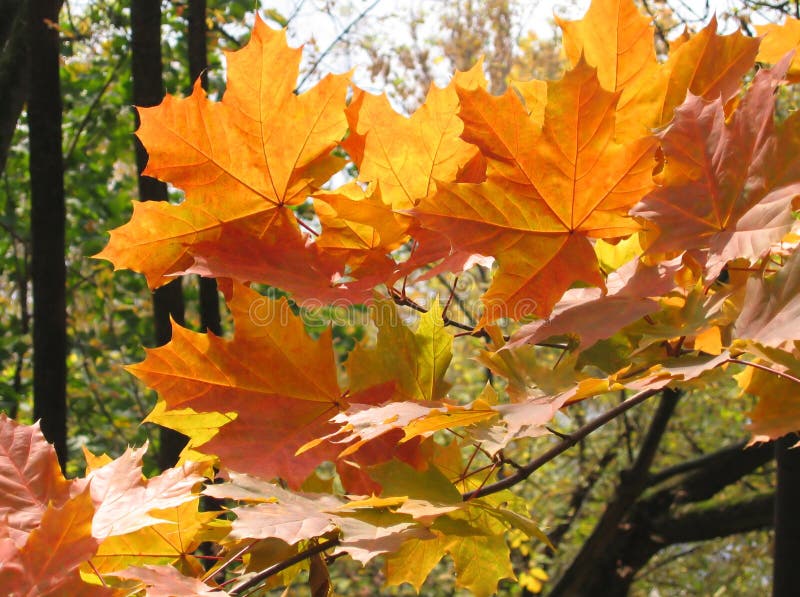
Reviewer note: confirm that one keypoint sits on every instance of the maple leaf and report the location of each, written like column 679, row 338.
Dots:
column 464, row 530
column 53, row 525
column 199, row 428
column 361, row 229
column 618, row 40
column 239, row 165
column 592, row 315
column 278, row 407
column 778, row 409
column 481, row 560
column 293, row 517
column 47, row 563
column 166, row 581
column 771, row 311
column 293, row 263
column 416, row 361
column 405, row 155
column 520, row 215
column 279, row 514
column 683, row 369
column 526, row 376
column 123, row 498
column 30, row 478
column 176, row 536
column 480, row 410
column 725, row 184
column 777, row 40
column 361, row 423
column 706, row 65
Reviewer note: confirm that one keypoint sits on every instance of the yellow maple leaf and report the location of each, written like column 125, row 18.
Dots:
column 777, row 41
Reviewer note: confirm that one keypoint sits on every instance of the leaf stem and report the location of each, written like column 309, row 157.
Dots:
column 307, row 227
column 402, row 300
column 764, row 368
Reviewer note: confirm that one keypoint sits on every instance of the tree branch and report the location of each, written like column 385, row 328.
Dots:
column 330, row 47
column 711, row 460
column 713, row 473
column 13, row 78
column 280, row 566
column 95, row 103
column 527, row 470
column 580, row 494
column 633, row 482
column 704, row 524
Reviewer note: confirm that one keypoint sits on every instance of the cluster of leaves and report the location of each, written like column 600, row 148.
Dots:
column 647, row 259
column 106, row 326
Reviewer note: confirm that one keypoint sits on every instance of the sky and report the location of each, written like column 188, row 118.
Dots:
column 389, row 18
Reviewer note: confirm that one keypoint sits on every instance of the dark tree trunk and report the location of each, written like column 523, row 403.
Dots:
column 786, row 580
column 13, row 77
column 48, row 221
column 656, row 520
column 584, row 574
column 198, row 64
column 198, row 48
column 148, row 90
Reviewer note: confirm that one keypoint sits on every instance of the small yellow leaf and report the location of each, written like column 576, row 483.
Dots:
column 709, row 341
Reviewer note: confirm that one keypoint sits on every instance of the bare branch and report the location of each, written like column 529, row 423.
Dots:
column 527, row 470
column 255, row 580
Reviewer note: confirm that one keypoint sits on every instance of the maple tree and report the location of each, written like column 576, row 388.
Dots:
column 641, row 206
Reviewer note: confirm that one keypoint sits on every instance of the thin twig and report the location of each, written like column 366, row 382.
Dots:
column 97, row 573
column 450, row 298
column 527, row 470
column 233, row 40
column 95, row 102
column 330, row 47
column 307, row 227
column 469, row 463
column 96, row 395
column 403, row 300
column 764, row 368
column 458, row 299
column 280, row 566
column 486, row 478
column 221, row 565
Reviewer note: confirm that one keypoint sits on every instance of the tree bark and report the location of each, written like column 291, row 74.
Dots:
column 148, row 90
column 649, row 525
column 582, row 574
column 13, row 76
column 198, row 65
column 786, row 572
column 48, row 221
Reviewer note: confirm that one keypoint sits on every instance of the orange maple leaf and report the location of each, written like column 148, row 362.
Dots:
column 405, row 155
column 618, row 40
column 30, row 478
column 279, row 385
column 47, row 564
column 725, row 185
column 241, row 163
column 551, row 187
column 52, row 526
